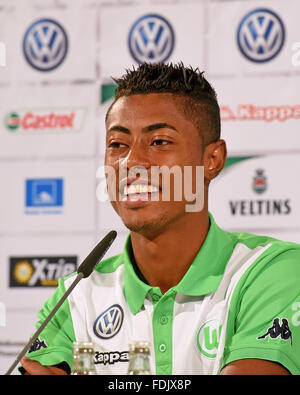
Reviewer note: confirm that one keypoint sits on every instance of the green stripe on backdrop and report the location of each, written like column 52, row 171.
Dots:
column 107, row 92
column 232, row 160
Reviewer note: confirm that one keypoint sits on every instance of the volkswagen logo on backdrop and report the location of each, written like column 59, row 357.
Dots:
column 45, row 44
column 151, row 39
column 109, row 322
column 260, row 35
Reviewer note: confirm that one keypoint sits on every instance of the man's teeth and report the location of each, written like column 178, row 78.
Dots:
column 139, row 188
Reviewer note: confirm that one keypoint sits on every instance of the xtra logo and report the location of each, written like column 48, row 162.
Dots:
column 40, row 271
column 42, row 120
column 44, row 193
column 208, row 338
column 260, row 35
column 45, row 45
column 151, row 39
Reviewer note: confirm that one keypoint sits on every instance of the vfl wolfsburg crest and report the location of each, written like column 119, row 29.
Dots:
column 259, row 183
column 208, row 338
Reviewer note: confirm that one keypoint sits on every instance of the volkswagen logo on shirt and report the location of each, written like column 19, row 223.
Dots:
column 151, row 39
column 109, row 322
column 45, row 45
column 260, row 35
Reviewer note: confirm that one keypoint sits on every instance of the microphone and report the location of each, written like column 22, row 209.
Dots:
column 83, row 271
column 97, row 254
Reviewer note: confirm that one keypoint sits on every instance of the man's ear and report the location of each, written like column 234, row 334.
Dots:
column 214, row 159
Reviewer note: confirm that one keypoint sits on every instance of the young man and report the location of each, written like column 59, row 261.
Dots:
column 208, row 301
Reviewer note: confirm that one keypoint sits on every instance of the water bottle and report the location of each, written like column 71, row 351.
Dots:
column 139, row 358
column 83, row 359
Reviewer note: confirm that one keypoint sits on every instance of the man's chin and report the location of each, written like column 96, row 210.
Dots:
column 150, row 221
column 148, row 228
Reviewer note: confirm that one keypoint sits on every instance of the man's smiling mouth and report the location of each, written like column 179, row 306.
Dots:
column 138, row 190
column 134, row 189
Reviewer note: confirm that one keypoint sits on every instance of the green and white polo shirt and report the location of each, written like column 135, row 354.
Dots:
column 239, row 299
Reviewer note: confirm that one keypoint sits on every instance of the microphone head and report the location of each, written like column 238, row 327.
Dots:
column 88, row 265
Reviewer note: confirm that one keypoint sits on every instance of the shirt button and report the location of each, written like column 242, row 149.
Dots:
column 163, row 319
column 155, row 298
column 162, row 347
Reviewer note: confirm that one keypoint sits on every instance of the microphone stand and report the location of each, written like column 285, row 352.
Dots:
column 84, row 270
column 40, row 329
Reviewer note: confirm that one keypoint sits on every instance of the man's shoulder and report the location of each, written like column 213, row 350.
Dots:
column 278, row 261
column 252, row 241
column 243, row 244
column 265, row 256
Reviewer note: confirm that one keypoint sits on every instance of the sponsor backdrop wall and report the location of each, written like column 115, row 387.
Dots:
column 57, row 59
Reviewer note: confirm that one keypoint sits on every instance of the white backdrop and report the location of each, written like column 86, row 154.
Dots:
column 52, row 106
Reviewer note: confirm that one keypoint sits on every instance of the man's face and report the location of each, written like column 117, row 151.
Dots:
column 146, row 131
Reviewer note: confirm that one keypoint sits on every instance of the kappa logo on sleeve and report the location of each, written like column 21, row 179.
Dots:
column 276, row 330
column 37, row 345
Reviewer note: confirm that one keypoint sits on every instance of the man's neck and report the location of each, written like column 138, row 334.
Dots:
column 163, row 260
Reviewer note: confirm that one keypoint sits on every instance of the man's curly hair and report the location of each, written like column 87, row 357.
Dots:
column 197, row 98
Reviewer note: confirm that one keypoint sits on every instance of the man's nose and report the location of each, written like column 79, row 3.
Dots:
column 137, row 157
column 135, row 164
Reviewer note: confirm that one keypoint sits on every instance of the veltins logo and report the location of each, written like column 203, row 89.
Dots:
column 259, row 183
column 109, row 322
column 208, row 338
column 256, row 205
column 42, row 195
column 45, row 44
column 40, row 271
column 260, row 35
column 151, row 39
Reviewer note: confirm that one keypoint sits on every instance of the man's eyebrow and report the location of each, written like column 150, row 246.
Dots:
column 160, row 125
column 155, row 126
column 119, row 128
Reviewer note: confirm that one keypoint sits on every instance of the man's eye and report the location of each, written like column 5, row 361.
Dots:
column 115, row 144
column 160, row 142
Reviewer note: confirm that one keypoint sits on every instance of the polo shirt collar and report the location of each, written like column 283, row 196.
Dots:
column 202, row 277
column 135, row 289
